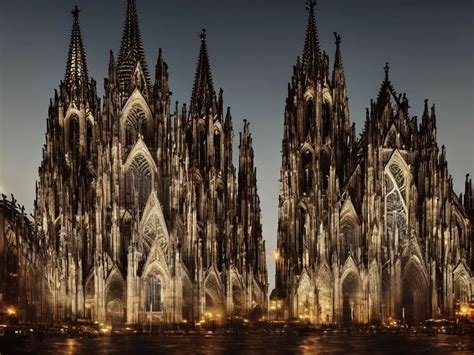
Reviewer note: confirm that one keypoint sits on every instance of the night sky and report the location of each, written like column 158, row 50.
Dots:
column 253, row 46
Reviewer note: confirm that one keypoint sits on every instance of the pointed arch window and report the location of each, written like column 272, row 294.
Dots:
column 301, row 230
column 306, row 173
column 308, row 117
column 220, row 215
column 395, row 205
column 202, row 147
column 135, row 125
column 74, row 135
column 326, row 119
column 90, row 139
column 325, row 168
column 217, row 150
column 153, row 299
column 138, row 182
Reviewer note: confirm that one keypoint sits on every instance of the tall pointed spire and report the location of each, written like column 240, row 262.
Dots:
column 131, row 48
column 338, row 59
column 76, row 77
column 312, row 50
column 203, row 89
column 338, row 73
column 161, row 73
column 387, row 93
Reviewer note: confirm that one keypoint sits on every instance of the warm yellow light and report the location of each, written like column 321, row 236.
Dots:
column 11, row 311
column 276, row 255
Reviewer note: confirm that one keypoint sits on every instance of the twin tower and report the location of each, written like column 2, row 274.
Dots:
column 147, row 220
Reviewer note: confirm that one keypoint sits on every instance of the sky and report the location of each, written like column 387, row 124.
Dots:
column 253, row 46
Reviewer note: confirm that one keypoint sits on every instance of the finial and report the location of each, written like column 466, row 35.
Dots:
column 203, row 35
column 338, row 38
column 387, row 69
column 310, row 4
column 75, row 12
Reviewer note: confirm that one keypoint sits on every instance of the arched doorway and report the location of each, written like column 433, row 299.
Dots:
column 115, row 312
column 324, row 288
column 306, row 300
column 414, row 294
column 237, row 300
column 350, row 298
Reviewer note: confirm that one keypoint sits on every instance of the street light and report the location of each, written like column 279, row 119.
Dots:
column 11, row 311
column 276, row 257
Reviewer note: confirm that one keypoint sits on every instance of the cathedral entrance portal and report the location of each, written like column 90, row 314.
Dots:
column 414, row 295
column 350, row 298
column 115, row 312
column 114, row 300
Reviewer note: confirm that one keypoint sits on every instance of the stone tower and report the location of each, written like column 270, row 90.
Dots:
column 369, row 229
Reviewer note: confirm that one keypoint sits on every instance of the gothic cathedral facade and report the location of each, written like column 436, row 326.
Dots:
column 369, row 229
column 145, row 217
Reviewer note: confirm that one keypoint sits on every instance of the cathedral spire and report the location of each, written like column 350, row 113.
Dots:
column 203, row 89
column 76, row 77
column 338, row 59
column 161, row 74
column 311, row 51
column 131, row 48
column 338, row 72
column 387, row 93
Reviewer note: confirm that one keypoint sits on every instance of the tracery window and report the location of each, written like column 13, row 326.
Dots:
column 395, row 206
column 135, row 125
column 138, row 182
column 153, row 299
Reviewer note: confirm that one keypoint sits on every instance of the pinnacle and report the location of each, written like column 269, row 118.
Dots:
column 203, row 88
column 76, row 68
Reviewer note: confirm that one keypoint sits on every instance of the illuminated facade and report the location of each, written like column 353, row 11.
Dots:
column 147, row 217
column 23, row 259
column 370, row 228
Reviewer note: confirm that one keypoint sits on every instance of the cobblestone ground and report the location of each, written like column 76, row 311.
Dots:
column 258, row 344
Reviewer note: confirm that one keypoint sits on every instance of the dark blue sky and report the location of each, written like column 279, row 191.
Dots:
column 253, row 46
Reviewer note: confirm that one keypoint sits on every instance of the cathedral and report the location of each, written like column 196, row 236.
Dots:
column 144, row 216
column 369, row 228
